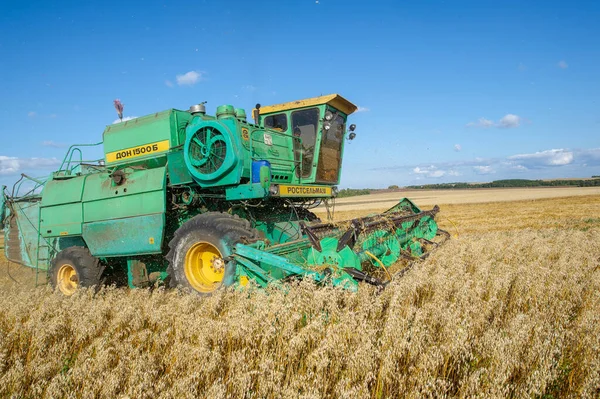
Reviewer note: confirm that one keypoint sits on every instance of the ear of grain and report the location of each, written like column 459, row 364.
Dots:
column 498, row 312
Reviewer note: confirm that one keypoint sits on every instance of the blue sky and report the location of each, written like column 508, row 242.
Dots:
column 448, row 90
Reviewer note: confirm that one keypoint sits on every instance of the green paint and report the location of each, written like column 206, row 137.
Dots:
column 246, row 191
column 61, row 220
column 137, row 235
column 176, row 169
column 63, row 191
column 384, row 245
column 165, row 125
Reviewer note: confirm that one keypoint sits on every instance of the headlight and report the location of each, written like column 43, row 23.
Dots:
column 328, row 115
column 326, row 125
column 274, row 189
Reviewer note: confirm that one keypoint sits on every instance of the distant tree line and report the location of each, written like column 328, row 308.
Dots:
column 350, row 192
column 511, row 183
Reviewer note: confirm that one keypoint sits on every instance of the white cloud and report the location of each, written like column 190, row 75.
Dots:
column 248, row 87
column 429, row 171
column 481, row 122
column 125, row 119
column 555, row 157
column 32, row 114
column 483, row 169
column 14, row 165
column 509, row 121
column 188, row 79
column 50, row 143
column 457, row 147
column 518, row 168
column 562, row 64
column 362, row 109
column 169, row 83
column 554, row 163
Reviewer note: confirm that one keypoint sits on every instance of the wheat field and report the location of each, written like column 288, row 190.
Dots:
column 510, row 307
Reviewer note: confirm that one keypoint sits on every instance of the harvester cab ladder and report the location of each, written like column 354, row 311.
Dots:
column 37, row 257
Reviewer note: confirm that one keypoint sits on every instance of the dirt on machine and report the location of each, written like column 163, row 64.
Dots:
column 203, row 202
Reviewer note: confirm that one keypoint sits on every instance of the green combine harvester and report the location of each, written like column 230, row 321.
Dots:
column 204, row 202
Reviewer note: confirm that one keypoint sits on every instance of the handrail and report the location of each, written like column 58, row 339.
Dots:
column 17, row 186
column 66, row 163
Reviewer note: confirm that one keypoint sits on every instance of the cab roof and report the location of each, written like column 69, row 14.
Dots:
column 334, row 100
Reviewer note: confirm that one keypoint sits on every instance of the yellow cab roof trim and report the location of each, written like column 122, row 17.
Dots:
column 334, row 100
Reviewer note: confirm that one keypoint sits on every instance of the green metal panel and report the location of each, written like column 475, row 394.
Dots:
column 273, row 146
column 130, row 236
column 124, row 206
column 246, row 191
column 63, row 191
column 146, row 129
column 178, row 172
column 144, row 138
column 142, row 193
column 61, row 220
column 179, row 122
column 125, row 219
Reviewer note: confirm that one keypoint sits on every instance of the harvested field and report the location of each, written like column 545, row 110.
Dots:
column 431, row 197
column 509, row 308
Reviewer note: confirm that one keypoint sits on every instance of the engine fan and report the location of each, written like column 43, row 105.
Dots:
column 208, row 151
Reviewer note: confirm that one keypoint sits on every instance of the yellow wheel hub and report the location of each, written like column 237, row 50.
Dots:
column 204, row 267
column 67, row 279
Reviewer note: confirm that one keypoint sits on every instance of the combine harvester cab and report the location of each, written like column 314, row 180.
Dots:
column 203, row 202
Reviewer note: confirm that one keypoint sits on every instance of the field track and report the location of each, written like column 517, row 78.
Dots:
column 510, row 307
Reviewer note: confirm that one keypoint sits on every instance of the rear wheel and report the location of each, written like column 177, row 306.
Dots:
column 200, row 246
column 74, row 268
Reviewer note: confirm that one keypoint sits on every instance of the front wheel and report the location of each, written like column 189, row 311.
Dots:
column 74, row 268
column 199, row 248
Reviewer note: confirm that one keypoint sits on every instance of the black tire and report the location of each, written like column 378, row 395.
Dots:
column 85, row 270
column 222, row 231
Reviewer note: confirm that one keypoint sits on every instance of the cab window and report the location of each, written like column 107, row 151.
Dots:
column 277, row 122
column 330, row 158
column 304, row 130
